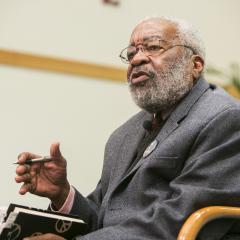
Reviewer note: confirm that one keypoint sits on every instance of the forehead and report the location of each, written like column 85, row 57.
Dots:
column 163, row 29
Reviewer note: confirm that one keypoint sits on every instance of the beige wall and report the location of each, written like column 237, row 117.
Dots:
column 40, row 107
column 91, row 31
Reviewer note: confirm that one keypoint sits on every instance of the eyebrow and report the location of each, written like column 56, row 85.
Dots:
column 148, row 38
column 152, row 36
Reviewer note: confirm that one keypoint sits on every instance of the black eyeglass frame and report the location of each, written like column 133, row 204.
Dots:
column 127, row 61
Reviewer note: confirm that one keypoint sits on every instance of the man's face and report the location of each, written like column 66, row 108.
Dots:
column 159, row 81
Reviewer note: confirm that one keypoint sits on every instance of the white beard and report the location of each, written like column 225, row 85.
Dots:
column 165, row 89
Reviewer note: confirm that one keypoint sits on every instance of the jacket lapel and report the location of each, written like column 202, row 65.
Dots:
column 180, row 112
column 128, row 148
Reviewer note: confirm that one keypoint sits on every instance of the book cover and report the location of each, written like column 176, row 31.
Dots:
column 21, row 221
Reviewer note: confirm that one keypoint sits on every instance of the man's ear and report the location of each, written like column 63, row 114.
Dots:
column 198, row 65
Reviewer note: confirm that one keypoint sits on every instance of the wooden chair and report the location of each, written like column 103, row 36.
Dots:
column 198, row 219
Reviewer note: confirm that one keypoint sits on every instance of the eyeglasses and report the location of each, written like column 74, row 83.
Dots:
column 151, row 47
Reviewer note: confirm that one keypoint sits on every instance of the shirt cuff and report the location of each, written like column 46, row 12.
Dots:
column 67, row 206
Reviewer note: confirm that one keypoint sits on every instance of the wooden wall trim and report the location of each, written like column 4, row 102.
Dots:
column 20, row 59
column 40, row 62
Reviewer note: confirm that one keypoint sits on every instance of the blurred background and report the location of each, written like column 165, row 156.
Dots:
column 61, row 78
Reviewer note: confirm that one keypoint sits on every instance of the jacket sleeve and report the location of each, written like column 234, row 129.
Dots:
column 87, row 208
column 210, row 176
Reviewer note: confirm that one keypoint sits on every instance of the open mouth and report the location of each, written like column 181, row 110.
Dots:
column 139, row 77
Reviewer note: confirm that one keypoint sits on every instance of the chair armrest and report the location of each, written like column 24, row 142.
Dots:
column 198, row 219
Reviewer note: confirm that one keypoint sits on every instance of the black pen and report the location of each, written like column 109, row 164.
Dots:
column 37, row 160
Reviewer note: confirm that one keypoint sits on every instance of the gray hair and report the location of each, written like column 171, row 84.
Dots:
column 187, row 34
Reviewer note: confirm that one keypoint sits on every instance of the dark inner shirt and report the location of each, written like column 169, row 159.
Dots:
column 147, row 139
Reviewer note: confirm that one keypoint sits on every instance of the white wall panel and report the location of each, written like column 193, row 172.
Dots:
column 38, row 108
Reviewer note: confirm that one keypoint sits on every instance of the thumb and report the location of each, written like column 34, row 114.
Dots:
column 55, row 150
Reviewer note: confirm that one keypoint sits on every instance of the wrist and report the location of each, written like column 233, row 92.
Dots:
column 60, row 198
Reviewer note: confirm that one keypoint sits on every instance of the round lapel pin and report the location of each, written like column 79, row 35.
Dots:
column 150, row 148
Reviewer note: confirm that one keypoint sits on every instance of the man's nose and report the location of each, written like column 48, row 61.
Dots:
column 139, row 58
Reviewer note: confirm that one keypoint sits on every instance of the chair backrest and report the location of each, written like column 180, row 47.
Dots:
column 198, row 219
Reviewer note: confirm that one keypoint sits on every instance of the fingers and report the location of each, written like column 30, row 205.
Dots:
column 23, row 173
column 26, row 172
column 55, row 150
column 40, row 178
column 56, row 154
column 26, row 187
column 23, row 178
column 22, row 169
column 48, row 236
column 22, row 157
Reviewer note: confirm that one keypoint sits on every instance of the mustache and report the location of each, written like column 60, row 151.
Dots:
column 142, row 70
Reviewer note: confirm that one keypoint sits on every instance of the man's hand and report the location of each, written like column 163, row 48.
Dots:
column 48, row 236
column 47, row 179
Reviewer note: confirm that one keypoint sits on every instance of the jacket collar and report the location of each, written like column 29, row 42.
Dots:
column 178, row 114
column 183, row 108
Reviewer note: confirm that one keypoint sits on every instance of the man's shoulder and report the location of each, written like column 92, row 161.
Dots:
column 215, row 105
column 216, row 100
column 219, row 94
column 132, row 123
column 132, row 126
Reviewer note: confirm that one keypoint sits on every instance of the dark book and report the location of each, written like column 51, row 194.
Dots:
column 21, row 221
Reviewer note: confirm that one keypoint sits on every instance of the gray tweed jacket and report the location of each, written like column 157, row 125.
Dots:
column 195, row 163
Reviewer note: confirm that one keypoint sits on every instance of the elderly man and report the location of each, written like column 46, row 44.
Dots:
column 179, row 154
